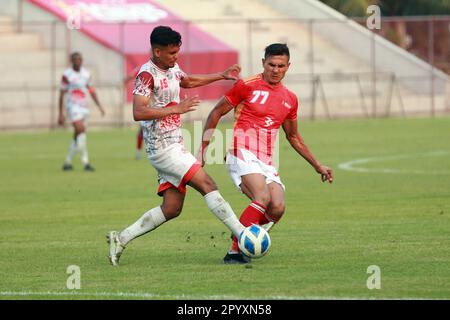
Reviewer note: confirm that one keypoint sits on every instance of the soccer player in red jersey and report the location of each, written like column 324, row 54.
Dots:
column 262, row 105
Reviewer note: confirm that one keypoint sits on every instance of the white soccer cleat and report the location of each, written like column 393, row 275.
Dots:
column 115, row 247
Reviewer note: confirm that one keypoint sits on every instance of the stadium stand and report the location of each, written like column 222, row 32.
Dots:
column 332, row 67
column 34, row 55
column 337, row 75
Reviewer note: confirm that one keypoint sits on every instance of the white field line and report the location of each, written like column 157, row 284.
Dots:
column 357, row 164
column 132, row 295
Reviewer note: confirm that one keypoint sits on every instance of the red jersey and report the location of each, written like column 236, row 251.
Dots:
column 260, row 110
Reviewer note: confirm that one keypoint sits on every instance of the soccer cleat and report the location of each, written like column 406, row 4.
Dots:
column 67, row 167
column 115, row 247
column 236, row 258
column 88, row 167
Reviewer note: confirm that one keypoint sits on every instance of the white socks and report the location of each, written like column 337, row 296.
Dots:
column 155, row 217
column 223, row 211
column 80, row 145
column 148, row 222
column 72, row 150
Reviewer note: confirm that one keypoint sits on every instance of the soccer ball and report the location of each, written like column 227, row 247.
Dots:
column 254, row 241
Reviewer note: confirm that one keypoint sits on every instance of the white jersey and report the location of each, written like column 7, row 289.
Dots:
column 163, row 89
column 76, row 84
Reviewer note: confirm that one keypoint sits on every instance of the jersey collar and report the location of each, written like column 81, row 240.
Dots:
column 278, row 85
column 158, row 68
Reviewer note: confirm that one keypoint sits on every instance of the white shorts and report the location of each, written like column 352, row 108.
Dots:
column 77, row 112
column 175, row 166
column 242, row 162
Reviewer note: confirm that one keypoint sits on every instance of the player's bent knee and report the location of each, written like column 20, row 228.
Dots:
column 79, row 127
column 263, row 198
column 171, row 211
column 276, row 211
column 209, row 185
column 203, row 183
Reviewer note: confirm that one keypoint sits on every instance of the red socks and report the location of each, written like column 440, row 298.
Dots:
column 253, row 214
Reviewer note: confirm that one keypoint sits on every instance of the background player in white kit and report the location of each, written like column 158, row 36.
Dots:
column 156, row 103
column 75, row 85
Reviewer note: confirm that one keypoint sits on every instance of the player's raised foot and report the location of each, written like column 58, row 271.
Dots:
column 236, row 258
column 88, row 167
column 67, row 167
column 115, row 247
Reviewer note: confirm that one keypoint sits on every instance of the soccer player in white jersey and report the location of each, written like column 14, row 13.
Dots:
column 156, row 103
column 75, row 86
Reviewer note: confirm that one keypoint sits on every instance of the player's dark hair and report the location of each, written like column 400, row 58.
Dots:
column 73, row 54
column 277, row 49
column 164, row 36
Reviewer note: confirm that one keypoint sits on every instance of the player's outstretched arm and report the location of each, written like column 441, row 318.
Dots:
column 143, row 111
column 61, row 118
column 95, row 98
column 198, row 80
column 297, row 142
column 222, row 108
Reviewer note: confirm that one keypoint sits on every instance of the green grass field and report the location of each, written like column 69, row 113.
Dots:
column 391, row 209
